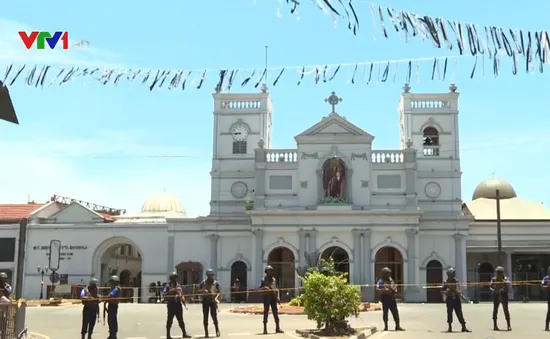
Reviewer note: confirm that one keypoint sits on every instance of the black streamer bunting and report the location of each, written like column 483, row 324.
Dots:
column 339, row 8
column 476, row 40
column 496, row 42
column 44, row 76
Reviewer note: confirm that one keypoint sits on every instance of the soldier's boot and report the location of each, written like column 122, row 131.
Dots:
column 547, row 327
column 278, row 328
column 495, row 325
column 398, row 326
column 217, row 330
column 450, row 328
column 508, row 324
column 184, row 332
column 168, row 336
column 206, row 331
column 265, row 328
column 84, row 336
column 464, row 328
column 385, row 325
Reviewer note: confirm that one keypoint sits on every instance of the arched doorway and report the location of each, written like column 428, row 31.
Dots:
column 434, row 277
column 190, row 275
column 485, row 273
column 114, row 256
column 340, row 257
column 238, row 281
column 125, row 278
column 282, row 259
column 389, row 257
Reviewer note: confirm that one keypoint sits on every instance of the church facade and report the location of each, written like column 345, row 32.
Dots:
column 333, row 195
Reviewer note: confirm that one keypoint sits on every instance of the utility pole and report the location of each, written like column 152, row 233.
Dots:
column 499, row 229
column 20, row 268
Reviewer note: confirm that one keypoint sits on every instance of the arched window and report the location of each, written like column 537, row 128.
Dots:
column 431, row 141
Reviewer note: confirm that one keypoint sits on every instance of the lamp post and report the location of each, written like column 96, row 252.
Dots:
column 476, row 294
column 42, row 271
column 499, row 229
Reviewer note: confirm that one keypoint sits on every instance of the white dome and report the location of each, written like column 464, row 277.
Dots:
column 162, row 203
column 488, row 188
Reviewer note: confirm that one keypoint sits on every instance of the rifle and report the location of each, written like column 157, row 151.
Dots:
column 104, row 311
column 273, row 290
column 453, row 288
column 180, row 296
column 395, row 292
column 497, row 287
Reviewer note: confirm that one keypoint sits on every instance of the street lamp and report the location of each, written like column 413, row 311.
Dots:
column 42, row 271
column 476, row 294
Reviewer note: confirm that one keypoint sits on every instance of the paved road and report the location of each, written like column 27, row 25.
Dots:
column 147, row 321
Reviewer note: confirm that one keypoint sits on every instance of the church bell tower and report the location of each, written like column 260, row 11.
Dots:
column 241, row 120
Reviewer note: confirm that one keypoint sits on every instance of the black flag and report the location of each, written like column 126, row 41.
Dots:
column 7, row 111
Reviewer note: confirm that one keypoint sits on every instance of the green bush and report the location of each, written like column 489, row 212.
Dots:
column 298, row 301
column 328, row 298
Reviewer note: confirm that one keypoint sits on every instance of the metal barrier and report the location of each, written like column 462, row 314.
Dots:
column 12, row 320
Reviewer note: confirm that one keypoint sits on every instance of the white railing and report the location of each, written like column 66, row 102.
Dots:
column 429, row 104
column 431, row 151
column 387, row 157
column 241, row 104
column 281, row 155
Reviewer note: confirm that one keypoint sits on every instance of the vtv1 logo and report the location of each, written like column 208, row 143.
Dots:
column 43, row 38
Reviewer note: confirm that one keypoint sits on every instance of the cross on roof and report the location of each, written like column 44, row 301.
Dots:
column 333, row 100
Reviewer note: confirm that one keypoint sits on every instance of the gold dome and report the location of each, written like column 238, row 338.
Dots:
column 488, row 190
column 162, row 203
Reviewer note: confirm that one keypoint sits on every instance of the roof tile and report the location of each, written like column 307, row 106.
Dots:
column 17, row 211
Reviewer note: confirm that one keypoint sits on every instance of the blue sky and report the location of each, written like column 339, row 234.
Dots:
column 94, row 142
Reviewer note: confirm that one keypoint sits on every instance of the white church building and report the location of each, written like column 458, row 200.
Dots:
column 334, row 194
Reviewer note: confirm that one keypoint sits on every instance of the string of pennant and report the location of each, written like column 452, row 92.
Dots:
column 439, row 68
column 467, row 38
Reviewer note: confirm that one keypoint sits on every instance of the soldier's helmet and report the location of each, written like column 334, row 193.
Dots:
column 114, row 279
column 386, row 270
column 451, row 272
column 210, row 272
column 94, row 282
column 268, row 268
column 499, row 269
column 3, row 275
column 173, row 276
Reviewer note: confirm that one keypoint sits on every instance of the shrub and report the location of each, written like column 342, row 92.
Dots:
column 298, row 301
column 329, row 299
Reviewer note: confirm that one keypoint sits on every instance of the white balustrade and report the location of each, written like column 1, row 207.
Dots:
column 429, row 104
column 241, row 104
column 387, row 157
column 431, row 151
column 281, row 155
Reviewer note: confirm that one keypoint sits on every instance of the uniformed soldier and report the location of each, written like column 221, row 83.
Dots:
column 113, row 299
column 90, row 311
column 5, row 289
column 387, row 290
column 544, row 285
column 271, row 298
column 453, row 294
column 500, row 286
column 173, row 296
column 210, row 290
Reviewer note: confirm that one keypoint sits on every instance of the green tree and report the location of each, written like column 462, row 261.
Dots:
column 329, row 299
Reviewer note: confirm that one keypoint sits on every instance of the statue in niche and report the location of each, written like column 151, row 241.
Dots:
column 334, row 180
